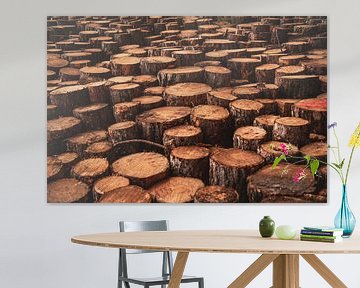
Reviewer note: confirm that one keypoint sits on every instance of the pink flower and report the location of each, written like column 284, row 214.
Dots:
column 299, row 175
column 284, row 148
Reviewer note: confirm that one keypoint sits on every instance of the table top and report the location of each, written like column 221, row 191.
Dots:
column 217, row 241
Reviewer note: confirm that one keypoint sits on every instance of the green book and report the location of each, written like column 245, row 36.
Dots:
column 319, row 236
column 325, row 240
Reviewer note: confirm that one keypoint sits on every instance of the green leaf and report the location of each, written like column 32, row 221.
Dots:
column 307, row 158
column 314, row 165
column 342, row 163
column 278, row 160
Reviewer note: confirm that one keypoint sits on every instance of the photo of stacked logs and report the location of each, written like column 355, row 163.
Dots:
column 185, row 109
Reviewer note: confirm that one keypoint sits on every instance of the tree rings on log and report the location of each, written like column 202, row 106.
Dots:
column 124, row 92
column 296, row 47
column 250, row 93
column 62, row 128
column 299, row 86
column 214, row 122
column 143, row 169
column 68, row 159
column 69, row 74
column 94, row 116
column 67, row 190
column 317, row 150
column 217, row 76
column 108, row 184
column 288, row 71
column 245, row 111
column 145, row 81
column 220, row 98
column 290, row 60
column 272, row 183
column 98, row 92
column 243, row 68
column 293, row 130
column 267, row 123
column 125, row 66
column 93, row 74
column 186, row 94
column 270, row 105
column 122, row 131
column 126, row 111
column 184, row 135
column 149, row 102
column 203, row 64
column 230, row 167
column 157, row 90
column 56, row 64
column 181, row 74
column 219, row 44
column 99, row 150
column 188, row 57
column 91, row 169
column 176, row 190
column 55, row 169
column 266, row 73
column 285, row 106
column 249, row 138
column 78, row 143
column 220, row 56
column 216, row 194
column 67, row 98
column 154, row 122
column 315, row 111
column 127, row 194
column 272, row 149
column 190, row 161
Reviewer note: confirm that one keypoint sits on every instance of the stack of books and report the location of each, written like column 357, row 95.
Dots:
column 321, row 234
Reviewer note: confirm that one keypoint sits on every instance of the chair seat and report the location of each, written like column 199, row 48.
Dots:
column 158, row 280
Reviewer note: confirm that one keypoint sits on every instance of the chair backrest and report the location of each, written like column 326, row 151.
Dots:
column 138, row 226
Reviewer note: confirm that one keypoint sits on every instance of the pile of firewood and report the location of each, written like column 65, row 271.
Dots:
column 185, row 109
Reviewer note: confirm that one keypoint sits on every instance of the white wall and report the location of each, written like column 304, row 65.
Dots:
column 35, row 248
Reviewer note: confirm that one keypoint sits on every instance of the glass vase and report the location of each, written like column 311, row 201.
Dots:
column 345, row 219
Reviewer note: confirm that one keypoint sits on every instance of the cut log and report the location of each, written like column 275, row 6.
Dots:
column 203, row 64
column 249, row 138
column 76, row 56
column 317, row 150
column 154, row 122
column 230, row 168
column 137, row 52
column 220, row 98
column 99, row 150
column 184, row 135
column 145, row 81
column 270, row 105
column 317, row 137
column 122, row 131
column 300, row 86
column 267, row 123
column 68, row 98
column 220, row 56
column 323, row 83
column 98, row 92
column 219, row 44
column 269, row 182
column 95, row 116
column 296, row 47
column 143, row 169
column 315, row 111
column 86, row 35
column 68, row 159
column 94, row 74
column 152, row 65
column 176, row 190
column 216, row 194
column 127, row 194
column 243, row 68
column 157, row 90
column 91, row 169
column 108, row 184
column 217, row 76
column 186, row 94
column 272, row 149
column 293, row 130
column 126, row 111
column 291, row 60
column 118, row 80
column 69, row 74
column 62, row 128
column 288, row 71
column 68, row 190
column 190, row 161
column 51, row 75
column 124, row 92
column 149, row 102
column 188, row 57
column 80, row 142
column 266, row 73
column 56, row 64
column 55, row 169
column 179, row 75
column 245, row 111
column 214, row 122
column 125, row 66
column 250, row 93
column 285, row 106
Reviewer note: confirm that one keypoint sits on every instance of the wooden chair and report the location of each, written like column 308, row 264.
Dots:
column 167, row 262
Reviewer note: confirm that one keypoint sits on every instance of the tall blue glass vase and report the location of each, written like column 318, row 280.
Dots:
column 345, row 219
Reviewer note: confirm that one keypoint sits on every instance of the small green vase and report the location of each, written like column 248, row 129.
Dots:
column 267, row 227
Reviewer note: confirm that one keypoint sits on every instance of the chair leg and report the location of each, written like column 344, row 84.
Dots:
column 201, row 283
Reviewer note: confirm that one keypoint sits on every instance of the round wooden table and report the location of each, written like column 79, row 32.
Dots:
column 284, row 254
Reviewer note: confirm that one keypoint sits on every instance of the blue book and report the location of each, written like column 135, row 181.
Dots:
column 322, row 231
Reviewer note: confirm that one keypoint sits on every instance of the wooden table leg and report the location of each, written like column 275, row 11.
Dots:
column 253, row 270
column 324, row 271
column 286, row 271
column 178, row 269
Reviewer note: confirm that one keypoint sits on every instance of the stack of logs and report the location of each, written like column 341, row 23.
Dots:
column 185, row 109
